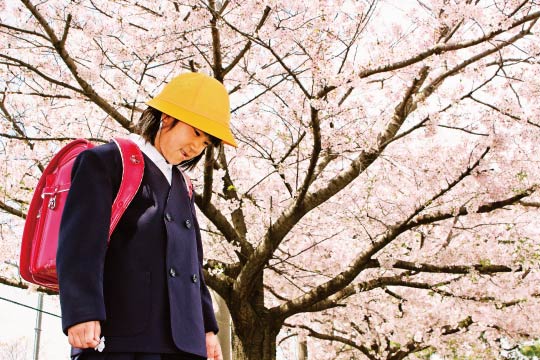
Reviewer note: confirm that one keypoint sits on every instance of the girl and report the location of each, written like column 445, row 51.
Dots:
column 143, row 296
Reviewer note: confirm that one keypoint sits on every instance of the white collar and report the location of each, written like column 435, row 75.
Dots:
column 153, row 154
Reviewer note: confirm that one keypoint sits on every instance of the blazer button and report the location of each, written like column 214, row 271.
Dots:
column 194, row 278
column 168, row 217
column 188, row 224
column 172, row 272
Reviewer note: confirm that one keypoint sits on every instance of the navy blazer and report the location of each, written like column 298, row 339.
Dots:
column 147, row 286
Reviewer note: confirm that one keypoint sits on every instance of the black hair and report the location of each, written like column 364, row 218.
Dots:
column 148, row 127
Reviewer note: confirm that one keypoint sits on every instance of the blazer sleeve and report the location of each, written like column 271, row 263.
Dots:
column 82, row 242
column 210, row 323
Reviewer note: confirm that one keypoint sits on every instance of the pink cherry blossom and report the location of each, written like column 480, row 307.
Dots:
column 383, row 199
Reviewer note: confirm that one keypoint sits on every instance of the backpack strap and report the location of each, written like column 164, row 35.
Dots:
column 132, row 174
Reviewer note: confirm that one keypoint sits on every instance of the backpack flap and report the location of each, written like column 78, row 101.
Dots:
column 42, row 226
column 40, row 235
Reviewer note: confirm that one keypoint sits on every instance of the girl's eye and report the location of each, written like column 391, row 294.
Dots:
column 197, row 133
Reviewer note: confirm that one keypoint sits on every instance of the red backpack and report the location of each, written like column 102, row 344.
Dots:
column 41, row 229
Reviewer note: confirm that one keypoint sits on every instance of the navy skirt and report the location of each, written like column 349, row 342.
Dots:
column 134, row 356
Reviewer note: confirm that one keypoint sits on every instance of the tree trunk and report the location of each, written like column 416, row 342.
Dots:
column 254, row 329
column 255, row 343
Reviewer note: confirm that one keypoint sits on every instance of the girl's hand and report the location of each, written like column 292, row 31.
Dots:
column 213, row 349
column 85, row 335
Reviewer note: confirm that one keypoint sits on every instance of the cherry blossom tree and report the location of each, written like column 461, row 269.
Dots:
column 14, row 350
column 383, row 201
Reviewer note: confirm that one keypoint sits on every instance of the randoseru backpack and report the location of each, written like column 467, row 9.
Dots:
column 41, row 229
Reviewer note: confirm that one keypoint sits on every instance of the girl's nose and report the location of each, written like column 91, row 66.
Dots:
column 197, row 146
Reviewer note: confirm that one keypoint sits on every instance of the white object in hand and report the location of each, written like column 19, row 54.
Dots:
column 101, row 344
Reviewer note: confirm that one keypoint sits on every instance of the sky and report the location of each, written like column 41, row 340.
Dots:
column 18, row 323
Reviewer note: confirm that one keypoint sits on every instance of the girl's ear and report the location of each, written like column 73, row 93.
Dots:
column 166, row 120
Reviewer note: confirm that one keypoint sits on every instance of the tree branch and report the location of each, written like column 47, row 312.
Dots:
column 23, row 137
column 87, row 89
column 290, row 217
column 11, row 210
column 442, row 48
column 17, row 129
column 219, row 283
column 217, row 65
column 491, row 206
column 362, row 348
column 435, row 83
column 279, row 59
column 217, row 218
column 41, row 74
column 208, row 176
column 230, row 270
column 342, row 280
column 534, row 204
column 24, row 31
column 313, row 159
column 243, row 52
column 24, row 285
column 445, row 269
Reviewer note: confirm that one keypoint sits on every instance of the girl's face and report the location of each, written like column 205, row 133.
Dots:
column 179, row 141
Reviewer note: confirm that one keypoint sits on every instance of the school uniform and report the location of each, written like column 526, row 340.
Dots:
column 146, row 287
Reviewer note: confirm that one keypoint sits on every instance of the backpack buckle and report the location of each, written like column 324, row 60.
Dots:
column 134, row 159
column 52, row 202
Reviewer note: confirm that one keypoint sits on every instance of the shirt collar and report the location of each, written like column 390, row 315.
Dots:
column 153, row 154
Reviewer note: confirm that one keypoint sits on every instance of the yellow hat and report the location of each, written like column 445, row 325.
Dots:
column 198, row 100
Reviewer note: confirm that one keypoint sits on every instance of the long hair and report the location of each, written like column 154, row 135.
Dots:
column 149, row 125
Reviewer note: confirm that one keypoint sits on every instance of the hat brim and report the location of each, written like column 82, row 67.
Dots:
column 198, row 121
